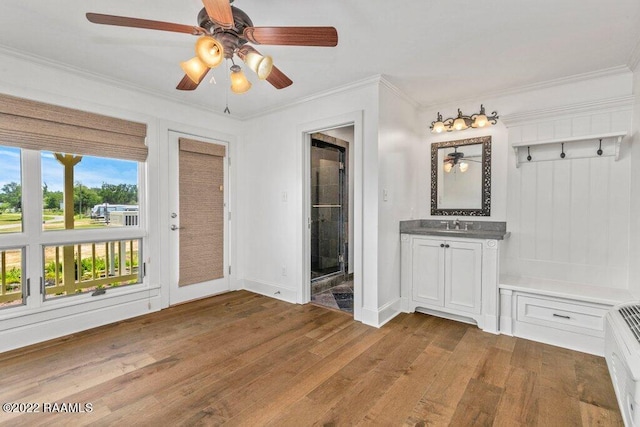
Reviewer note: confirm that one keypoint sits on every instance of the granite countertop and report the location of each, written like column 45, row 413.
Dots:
column 494, row 230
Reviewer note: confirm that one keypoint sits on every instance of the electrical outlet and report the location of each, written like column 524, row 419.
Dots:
column 385, row 195
column 284, row 270
column 285, row 196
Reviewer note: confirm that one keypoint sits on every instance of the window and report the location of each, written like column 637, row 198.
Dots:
column 11, row 277
column 96, row 266
column 10, row 190
column 104, row 192
column 93, row 198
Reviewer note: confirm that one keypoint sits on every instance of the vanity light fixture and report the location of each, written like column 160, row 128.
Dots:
column 462, row 122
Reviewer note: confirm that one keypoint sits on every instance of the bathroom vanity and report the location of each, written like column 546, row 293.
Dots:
column 450, row 269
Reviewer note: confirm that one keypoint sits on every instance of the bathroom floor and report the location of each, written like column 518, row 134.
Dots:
column 339, row 297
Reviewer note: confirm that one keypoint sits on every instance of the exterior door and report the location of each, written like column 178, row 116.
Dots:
column 199, row 223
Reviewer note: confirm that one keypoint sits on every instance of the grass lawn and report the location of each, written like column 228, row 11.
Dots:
column 10, row 218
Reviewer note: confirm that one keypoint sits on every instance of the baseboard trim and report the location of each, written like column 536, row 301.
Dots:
column 271, row 290
column 384, row 314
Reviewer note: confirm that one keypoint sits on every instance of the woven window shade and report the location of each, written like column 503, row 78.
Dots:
column 201, row 180
column 38, row 126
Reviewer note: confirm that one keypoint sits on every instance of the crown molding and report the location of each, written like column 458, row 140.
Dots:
column 121, row 84
column 576, row 78
column 621, row 103
column 399, row 93
column 369, row 81
column 634, row 58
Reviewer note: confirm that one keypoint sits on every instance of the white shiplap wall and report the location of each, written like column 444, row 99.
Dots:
column 570, row 218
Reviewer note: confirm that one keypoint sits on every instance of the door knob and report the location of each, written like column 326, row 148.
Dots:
column 175, row 227
column 174, row 215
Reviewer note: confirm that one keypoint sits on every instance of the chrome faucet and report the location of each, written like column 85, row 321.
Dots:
column 456, row 224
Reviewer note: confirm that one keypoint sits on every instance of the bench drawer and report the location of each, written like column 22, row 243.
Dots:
column 567, row 315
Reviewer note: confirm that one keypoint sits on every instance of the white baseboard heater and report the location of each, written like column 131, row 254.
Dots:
column 622, row 353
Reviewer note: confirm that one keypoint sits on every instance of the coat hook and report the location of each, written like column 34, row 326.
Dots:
column 562, row 155
column 600, row 148
column 528, row 154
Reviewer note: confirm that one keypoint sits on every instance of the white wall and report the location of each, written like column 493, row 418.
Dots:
column 51, row 83
column 571, row 219
column 398, row 137
column 634, row 226
column 271, row 164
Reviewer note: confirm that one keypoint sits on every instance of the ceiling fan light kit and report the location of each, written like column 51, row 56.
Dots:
column 261, row 65
column 239, row 82
column 210, row 51
column 195, row 69
column 224, row 31
column 462, row 122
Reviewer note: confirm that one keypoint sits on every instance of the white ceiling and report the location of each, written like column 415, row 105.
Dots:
column 434, row 51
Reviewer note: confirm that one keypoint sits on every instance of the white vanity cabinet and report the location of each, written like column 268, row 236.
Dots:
column 447, row 273
column 456, row 278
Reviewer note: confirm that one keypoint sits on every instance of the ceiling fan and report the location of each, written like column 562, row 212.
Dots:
column 456, row 158
column 224, row 31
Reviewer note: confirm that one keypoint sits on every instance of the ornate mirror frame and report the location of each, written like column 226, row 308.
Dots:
column 485, row 209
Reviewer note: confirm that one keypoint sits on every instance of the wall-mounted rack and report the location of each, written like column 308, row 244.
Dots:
column 611, row 139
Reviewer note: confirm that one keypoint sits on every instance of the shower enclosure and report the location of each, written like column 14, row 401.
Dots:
column 328, row 209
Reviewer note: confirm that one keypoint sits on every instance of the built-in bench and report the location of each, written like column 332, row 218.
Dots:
column 564, row 314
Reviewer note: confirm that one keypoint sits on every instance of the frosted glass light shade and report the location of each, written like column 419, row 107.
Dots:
column 448, row 166
column 239, row 82
column 463, row 166
column 480, row 121
column 210, row 51
column 438, row 127
column 195, row 69
column 261, row 65
column 459, row 124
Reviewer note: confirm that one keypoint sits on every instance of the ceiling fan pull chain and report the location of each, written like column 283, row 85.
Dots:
column 562, row 155
column 600, row 148
column 528, row 154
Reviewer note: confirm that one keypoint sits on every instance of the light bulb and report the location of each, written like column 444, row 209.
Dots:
column 463, row 166
column 448, row 166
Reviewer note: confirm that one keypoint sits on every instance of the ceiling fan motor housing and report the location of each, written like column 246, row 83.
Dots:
column 231, row 39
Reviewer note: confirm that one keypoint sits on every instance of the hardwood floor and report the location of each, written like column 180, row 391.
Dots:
column 242, row 359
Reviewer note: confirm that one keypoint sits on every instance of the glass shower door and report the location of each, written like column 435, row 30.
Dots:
column 327, row 212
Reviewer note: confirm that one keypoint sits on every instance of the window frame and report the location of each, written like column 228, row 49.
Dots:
column 33, row 239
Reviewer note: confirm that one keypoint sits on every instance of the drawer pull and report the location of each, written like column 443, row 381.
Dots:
column 561, row 316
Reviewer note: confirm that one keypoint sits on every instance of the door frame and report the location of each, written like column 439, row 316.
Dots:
column 176, row 294
column 305, row 131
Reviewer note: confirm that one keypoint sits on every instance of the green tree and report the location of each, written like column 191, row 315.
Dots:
column 12, row 195
column 119, row 194
column 84, row 198
column 52, row 200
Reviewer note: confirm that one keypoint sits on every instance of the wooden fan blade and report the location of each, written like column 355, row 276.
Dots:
column 220, row 12
column 123, row 21
column 187, row 84
column 293, row 36
column 278, row 79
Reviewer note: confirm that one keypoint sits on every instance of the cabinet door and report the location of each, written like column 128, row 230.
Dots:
column 463, row 281
column 428, row 271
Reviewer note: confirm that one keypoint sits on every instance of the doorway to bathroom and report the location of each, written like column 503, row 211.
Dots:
column 330, row 197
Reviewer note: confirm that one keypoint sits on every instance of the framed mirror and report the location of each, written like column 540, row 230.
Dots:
column 461, row 177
